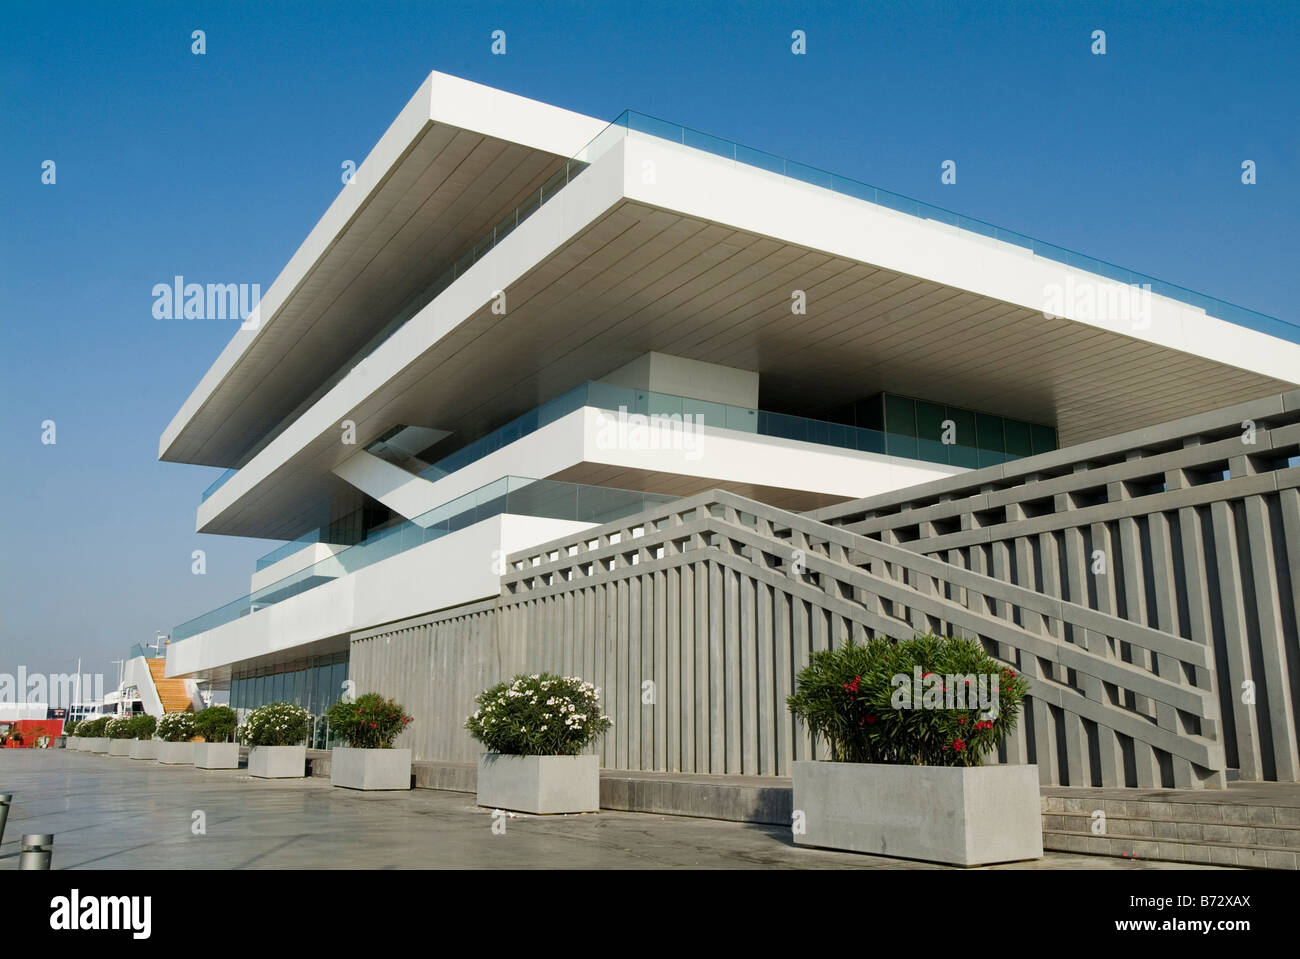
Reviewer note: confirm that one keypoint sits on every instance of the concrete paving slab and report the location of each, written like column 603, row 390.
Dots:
column 142, row 815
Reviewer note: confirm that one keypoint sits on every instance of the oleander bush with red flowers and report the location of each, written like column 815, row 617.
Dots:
column 368, row 722
column 861, row 701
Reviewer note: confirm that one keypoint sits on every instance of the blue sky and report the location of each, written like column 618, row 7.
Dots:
column 216, row 167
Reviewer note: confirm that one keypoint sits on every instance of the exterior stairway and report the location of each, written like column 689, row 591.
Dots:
column 171, row 692
column 1247, row 824
column 1111, row 702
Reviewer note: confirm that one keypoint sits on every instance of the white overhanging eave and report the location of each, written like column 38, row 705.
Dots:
column 441, row 100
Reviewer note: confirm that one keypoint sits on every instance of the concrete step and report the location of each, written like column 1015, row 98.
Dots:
column 1257, row 825
column 1247, row 855
column 1251, row 825
column 1280, row 837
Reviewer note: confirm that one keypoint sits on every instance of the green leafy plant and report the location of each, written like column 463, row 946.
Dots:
column 143, row 726
column 926, row 701
column 176, row 727
column 70, row 727
column 539, row 715
column 93, row 728
column 276, row 724
column 370, row 722
column 216, row 724
column 119, row 728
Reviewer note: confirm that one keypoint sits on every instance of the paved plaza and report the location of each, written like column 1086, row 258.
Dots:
column 109, row 813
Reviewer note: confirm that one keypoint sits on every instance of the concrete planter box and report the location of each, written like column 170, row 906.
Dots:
column 277, row 762
column 539, row 784
column 370, row 768
column 216, row 755
column 99, row 744
column 119, row 747
column 74, row 743
column 966, row 816
column 144, row 749
column 175, row 754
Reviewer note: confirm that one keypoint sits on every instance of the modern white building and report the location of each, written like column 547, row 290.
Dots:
column 519, row 323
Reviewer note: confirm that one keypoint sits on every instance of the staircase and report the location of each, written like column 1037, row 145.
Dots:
column 1247, row 824
column 171, row 692
column 753, row 587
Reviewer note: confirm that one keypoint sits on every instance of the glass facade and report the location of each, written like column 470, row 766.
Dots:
column 314, row 683
column 936, row 433
column 885, row 423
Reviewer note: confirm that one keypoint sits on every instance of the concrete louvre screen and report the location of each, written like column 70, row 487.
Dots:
column 695, row 617
column 1197, row 523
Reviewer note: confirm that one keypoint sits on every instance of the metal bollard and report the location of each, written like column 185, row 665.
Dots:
column 5, row 800
column 36, row 851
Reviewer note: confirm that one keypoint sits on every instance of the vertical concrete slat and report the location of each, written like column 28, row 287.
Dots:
column 1272, row 639
column 1231, row 597
column 686, row 584
column 672, row 706
column 717, row 676
column 665, row 679
column 784, row 669
column 731, row 665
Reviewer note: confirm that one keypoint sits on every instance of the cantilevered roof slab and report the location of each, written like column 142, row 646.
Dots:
column 701, row 260
column 457, row 159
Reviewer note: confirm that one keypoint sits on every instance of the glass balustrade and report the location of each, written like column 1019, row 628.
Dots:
column 511, row 494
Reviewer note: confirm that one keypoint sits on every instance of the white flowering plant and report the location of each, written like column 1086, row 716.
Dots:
column 176, row 727
column 119, row 728
column 539, row 715
column 276, row 724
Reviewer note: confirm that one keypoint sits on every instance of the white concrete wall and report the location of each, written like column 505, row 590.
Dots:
column 572, row 209
column 454, row 569
column 441, row 98
column 749, row 198
column 136, row 671
column 678, row 376
column 596, row 436
column 741, row 457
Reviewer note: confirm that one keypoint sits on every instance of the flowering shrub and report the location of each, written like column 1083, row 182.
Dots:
column 93, row 728
column 119, row 728
column 371, row 722
column 216, row 724
column 276, row 724
column 539, row 715
column 176, row 727
column 70, row 728
column 926, row 701
column 142, row 726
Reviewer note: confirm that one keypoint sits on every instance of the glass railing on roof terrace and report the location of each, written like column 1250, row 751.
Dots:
column 510, row 494
column 633, row 122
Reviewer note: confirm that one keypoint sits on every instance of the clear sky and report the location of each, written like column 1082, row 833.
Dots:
column 216, row 167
